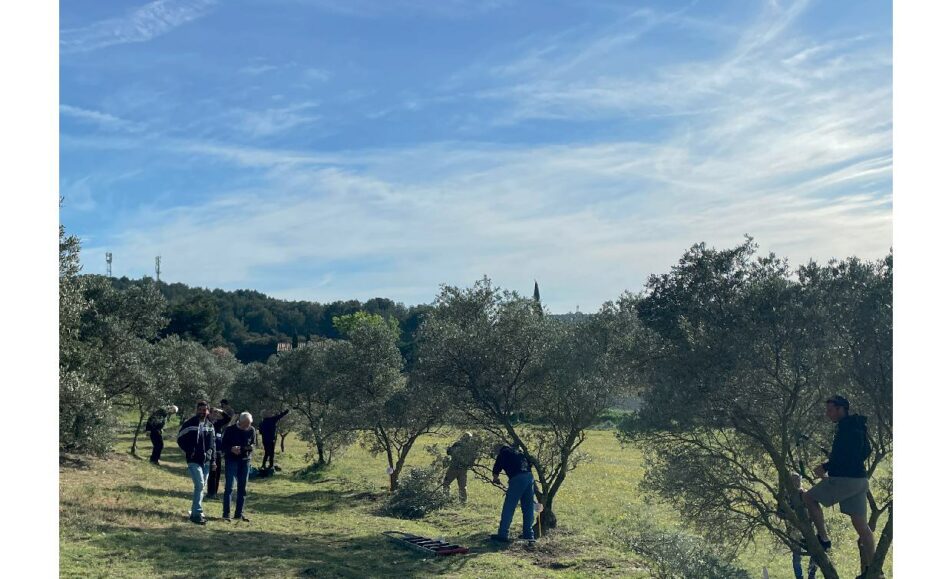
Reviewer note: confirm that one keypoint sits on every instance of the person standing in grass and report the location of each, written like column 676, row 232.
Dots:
column 462, row 458
column 221, row 417
column 238, row 443
column 196, row 438
column 521, row 490
column 843, row 479
column 269, row 437
column 155, row 425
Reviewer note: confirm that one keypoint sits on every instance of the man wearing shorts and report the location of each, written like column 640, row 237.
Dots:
column 843, row 478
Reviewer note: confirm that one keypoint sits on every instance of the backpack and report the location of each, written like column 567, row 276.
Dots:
column 156, row 422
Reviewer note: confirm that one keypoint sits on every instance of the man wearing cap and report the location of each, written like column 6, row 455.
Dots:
column 843, row 478
column 462, row 455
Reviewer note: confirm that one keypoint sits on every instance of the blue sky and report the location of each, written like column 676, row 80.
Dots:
column 324, row 150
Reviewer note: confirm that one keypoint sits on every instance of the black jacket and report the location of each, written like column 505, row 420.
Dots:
column 157, row 420
column 197, row 439
column 269, row 426
column 234, row 436
column 512, row 462
column 219, row 426
column 850, row 448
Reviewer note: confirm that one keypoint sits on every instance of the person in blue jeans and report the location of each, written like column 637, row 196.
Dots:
column 196, row 437
column 521, row 490
column 238, row 443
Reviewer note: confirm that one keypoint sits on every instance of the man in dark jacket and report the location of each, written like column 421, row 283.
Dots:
column 196, row 438
column 269, row 436
column 843, row 478
column 521, row 490
column 154, row 426
column 237, row 444
column 221, row 418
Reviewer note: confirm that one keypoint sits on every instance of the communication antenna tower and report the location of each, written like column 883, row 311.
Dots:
column 158, row 267
column 108, row 264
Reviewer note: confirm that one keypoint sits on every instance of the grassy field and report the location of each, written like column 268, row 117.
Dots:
column 124, row 517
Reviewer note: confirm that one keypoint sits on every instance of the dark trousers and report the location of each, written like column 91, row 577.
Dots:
column 157, row 445
column 268, row 452
column 214, row 476
column 235, row 469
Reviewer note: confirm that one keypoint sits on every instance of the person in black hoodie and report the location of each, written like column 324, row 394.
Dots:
column 221, row 417
column 843, row 478
column 237, row 443
column 521, row 490
column 154, row 426
column 196, row 438
column 269, row 436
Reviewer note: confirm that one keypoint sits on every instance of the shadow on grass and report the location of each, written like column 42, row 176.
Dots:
column 320, row 500
column 228, row 549
column 131, row 512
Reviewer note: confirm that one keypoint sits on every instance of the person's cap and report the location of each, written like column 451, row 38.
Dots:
column 839, row 401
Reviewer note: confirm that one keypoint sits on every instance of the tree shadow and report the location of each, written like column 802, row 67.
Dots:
column 131, row 512
column 222, row 549
column 184, row 494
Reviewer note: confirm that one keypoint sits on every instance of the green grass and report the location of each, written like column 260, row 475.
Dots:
column 124, row 517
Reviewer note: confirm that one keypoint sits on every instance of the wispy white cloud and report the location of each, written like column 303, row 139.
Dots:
column 255, row 69
column 140, row 25
column 589, row 221
column 377, row 8
column 312, row 74
column 82, row 193
column 272, row 121
column 99, row 118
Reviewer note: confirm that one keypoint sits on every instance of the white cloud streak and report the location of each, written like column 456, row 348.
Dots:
column 140, row 25
column 98, row 118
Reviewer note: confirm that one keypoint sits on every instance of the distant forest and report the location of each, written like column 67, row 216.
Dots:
column 251, row 324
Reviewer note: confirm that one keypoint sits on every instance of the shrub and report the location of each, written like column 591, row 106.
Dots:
column 86, row 418
column 675, row 554
column 419, row 492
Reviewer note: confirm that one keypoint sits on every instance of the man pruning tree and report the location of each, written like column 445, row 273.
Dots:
column 521, row 490
column 269, row 437
column 843, row 479
column 462, row 458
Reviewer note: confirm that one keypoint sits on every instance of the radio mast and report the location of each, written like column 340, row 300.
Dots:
column 108, row 264
column 158, row 267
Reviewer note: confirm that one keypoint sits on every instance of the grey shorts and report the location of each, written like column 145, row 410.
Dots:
column 849, row 492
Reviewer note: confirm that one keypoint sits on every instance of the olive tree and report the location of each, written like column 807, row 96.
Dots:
column 746, row 354
column 855, row 298
column 392, row 413
column 506, row 361
column 85, row 413
column 312, row 381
